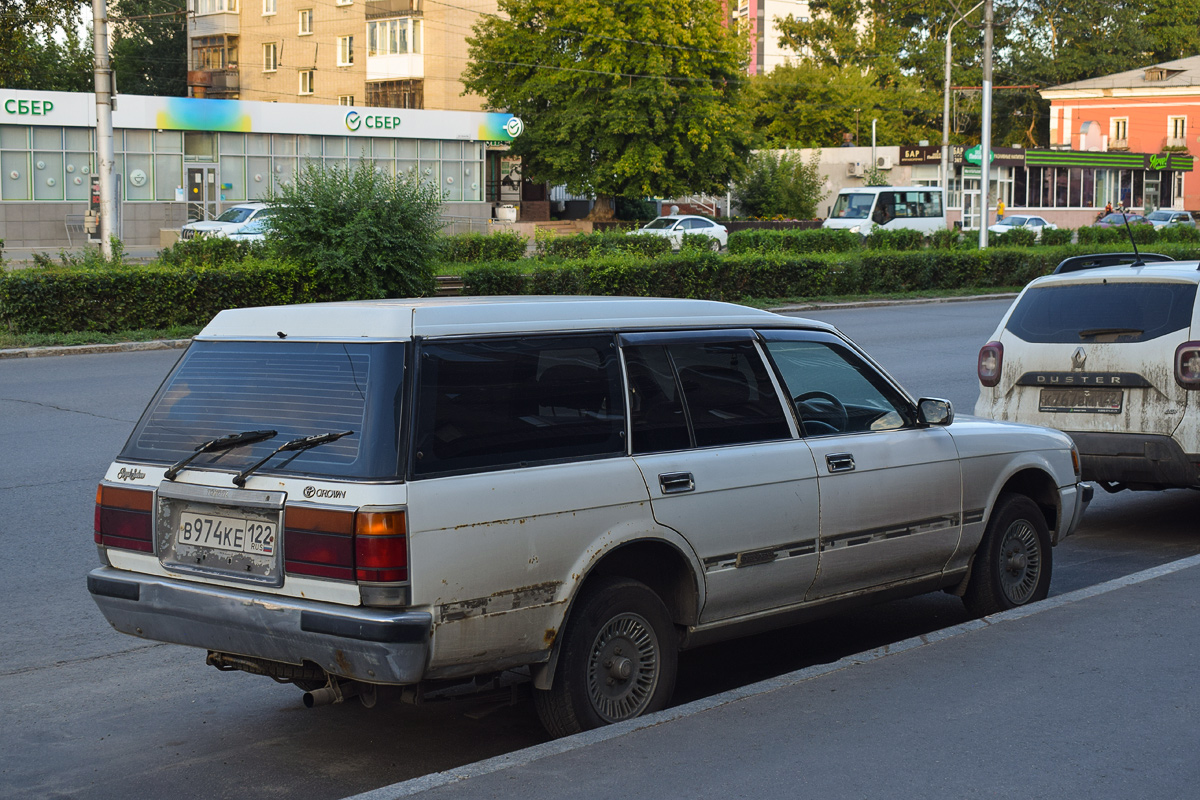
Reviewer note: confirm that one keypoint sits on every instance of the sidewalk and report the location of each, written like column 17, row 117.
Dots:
column 1091, row 694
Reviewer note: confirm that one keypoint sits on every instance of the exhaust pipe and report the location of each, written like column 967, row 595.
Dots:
column 335, row 692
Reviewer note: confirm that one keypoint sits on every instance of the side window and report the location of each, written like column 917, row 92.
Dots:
column 497, row 403
column 726, row 392
column 835, row 391
column 885, row 208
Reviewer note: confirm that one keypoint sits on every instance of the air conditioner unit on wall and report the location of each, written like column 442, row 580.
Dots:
column 855, row 169
column 883, row 162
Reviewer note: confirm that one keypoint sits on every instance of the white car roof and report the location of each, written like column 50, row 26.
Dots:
column 392, row 320
column 1173, row 271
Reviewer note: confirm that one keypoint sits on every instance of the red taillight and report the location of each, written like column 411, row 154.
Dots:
column 368, row 546
column 124, row 518
column 319, row 542
column 1187, row 365
column 381, row 546
column 991, row 361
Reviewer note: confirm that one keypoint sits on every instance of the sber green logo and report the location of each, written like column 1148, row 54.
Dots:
column 353, row 120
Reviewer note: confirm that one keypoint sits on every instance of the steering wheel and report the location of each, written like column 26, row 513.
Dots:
column 827, row 412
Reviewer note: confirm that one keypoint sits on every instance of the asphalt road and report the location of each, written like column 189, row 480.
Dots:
column 91, row 713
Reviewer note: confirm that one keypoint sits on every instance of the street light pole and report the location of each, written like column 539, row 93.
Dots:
column 946, row 161
column 104, row 128
column 985, row 142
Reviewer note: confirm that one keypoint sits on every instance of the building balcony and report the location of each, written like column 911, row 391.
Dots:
column 220, row 24
column 407, row 66
column 374, row 9
column 1118, row 144
column 1176, row 142
column 213, row 82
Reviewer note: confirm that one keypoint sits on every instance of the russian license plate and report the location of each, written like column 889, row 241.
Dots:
column 1095, row 401
column 231, row 534
column 235, row 534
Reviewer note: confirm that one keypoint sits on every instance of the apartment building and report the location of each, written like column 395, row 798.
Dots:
column 761, row 18
column 381, row 53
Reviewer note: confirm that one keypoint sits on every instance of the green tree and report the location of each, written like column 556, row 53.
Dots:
column 42, row 48
column 619, row 99
column 781, row 184
column 366, row 234
column 149, row 47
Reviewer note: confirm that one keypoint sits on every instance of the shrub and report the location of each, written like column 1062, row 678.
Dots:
column 363, row 233
column 1017, row 237
column 468, row 248
column 815, row 240
column 587, row 245
column 154, row 296
column 944, row 239
column 209, row 251
column 493, row 278
column 1179, row 233
column 780, row 184
column 900, row 239
column 1057, row 237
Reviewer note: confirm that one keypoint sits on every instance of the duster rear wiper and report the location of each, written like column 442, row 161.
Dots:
column 1108, row 332
column 216, row 445
column 301, row 444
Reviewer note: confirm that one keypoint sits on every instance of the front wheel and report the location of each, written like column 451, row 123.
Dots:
column 1013, row 563
column 618, row 659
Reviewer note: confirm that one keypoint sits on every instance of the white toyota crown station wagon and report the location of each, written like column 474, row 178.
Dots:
column 423, row 493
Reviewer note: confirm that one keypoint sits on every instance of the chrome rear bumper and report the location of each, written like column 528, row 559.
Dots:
column 361, row 644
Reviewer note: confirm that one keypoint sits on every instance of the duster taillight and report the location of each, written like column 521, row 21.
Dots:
column 124, row 518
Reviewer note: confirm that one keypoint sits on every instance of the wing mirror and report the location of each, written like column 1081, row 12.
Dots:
column 931, row 411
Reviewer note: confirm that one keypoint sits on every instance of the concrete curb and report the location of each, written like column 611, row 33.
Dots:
column 165, row 344
column 90, row 349
column 537, row 752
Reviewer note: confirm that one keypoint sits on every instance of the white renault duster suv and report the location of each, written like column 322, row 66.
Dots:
column 411, row 493
column 1109, row 353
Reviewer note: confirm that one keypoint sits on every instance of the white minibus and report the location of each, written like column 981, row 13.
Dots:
column 862, row 209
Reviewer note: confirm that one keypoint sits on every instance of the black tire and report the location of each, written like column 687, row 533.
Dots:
column 1013, row 563
column 618, row 660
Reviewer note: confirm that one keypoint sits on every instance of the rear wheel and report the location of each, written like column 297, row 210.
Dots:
column 618, row 660
column 1013, row 563
column 715, row 245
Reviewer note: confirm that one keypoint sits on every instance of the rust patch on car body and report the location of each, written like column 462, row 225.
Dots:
column 549, row 637
column 499, row 602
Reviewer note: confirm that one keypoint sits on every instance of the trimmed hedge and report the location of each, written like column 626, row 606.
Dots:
column 469, row 248
column 706, row 275
column 813, row 240
column 129, row 298
column 588, row 245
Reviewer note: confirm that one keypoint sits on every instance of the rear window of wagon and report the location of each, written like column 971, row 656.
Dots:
column 1113, row 311
column 296, row 388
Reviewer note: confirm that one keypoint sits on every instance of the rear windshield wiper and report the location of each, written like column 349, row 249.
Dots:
column 301, row 444
column 217, row 445
column 1108, row 332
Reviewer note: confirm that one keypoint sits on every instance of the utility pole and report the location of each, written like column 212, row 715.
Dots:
column 947, row 162
column 104, row 127
column 985, row 143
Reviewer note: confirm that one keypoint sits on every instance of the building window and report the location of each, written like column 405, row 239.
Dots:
column 306, row 21
column 345, row 99
column 268, row 7
column 1177, row 130
column 214, row 52
column 393, row 37
column 306, row 81
column 215, row 6
column 396, row 94
column 270, row 57
column 1119, row 131
column 345, row 51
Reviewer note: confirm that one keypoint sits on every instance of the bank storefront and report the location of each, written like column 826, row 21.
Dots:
column 1067, row 187
column 185, row 158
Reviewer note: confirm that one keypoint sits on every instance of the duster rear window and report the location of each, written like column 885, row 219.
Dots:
column 1102, row 312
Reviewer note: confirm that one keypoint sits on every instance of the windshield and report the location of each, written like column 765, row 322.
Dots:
column 853, row 206
column 236, row 214
column 1102, row 312
column 296, row 388
column 1013, row 221
column 660, row 223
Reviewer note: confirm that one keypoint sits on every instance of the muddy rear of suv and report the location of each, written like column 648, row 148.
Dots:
column 1109, row 356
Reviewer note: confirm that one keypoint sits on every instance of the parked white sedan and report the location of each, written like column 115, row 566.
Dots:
column 1035, row 224
column 675, row 226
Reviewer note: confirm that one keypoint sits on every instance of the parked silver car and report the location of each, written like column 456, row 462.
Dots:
column 410, row 493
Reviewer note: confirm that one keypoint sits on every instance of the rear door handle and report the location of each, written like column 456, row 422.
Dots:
column 839, row 462
column 676, row 482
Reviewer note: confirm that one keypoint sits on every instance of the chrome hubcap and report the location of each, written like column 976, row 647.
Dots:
column 1020, row 562
column 623, row 668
